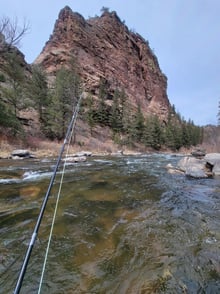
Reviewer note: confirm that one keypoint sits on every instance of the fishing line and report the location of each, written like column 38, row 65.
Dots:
column 44, row 203
column 57, row 202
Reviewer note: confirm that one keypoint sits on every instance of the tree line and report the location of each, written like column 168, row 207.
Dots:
column 130, row 127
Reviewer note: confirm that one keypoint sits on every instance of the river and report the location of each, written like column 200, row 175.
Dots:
column 123, row 225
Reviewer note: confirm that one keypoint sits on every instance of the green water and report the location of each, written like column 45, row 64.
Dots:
column 123, row 226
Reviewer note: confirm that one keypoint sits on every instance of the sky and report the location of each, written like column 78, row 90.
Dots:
column 184, row 35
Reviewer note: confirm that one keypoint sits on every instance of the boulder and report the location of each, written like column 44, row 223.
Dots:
column 196, row 171
column 213, row 159
column 198, row 167
column 173, row 170
column 20, row 154
column 198, row 153
column 82, row 153
column 76, row 159
column 193, row 167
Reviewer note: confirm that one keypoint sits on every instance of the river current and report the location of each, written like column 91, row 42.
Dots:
column 123, row 225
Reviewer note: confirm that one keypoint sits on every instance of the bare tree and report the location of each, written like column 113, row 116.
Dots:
column 11, row 33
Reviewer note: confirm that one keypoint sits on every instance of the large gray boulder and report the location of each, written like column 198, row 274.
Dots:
column 196, row 167
column 193, row 167
column 213, row 159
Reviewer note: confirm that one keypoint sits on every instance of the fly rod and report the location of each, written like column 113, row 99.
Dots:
column 44, row 203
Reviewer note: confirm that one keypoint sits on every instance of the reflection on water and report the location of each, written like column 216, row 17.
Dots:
column 123, row 226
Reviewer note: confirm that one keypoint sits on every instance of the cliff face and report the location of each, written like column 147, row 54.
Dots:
column 103, row 47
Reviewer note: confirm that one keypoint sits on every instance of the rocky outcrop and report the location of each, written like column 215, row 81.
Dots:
column 104, row 48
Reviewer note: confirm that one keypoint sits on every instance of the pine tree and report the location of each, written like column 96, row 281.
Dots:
column 153, row 133
column 138, row 125
column 173, row 131
column 13, row 94
column 102, row 114
column 115, row 118
column 39, row 92
column 63, row 101
column 90, row 112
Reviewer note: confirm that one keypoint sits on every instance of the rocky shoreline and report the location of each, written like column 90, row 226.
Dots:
column 198, row 164
column 74, row 155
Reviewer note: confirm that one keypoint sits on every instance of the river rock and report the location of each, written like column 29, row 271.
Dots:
column 82, row 153
column 173, row 170
column 213, row 159
column 198, row 153
column 76, row 159
column 20, row 154
column 196, row 167
column 193, row 167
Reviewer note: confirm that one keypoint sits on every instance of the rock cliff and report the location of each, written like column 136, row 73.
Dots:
column 104, row 48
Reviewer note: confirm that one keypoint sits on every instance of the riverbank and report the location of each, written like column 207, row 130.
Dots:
column 45, row 148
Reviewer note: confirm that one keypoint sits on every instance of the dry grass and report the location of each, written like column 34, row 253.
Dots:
column 5, row 149
column 45, row 148
column 39, row 149
column 51, row 149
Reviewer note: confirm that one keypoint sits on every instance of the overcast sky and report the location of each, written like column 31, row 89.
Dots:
column 184, row 34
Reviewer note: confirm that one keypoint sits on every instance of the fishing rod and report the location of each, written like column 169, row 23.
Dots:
column 44, row 203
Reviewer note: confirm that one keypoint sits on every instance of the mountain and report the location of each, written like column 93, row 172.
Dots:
column 125, row 101
column 104, row 48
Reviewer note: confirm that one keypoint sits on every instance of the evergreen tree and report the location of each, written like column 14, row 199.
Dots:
column 123, row 99
column 39, row 92
column 138, row 125
column 90, row 112
column 8, row 121
column 102, row 114
column 153, row 133
column 63, row 101
column 13, row 93
column 186, row 138
column 173, row 131
column 157, row 133
column 116, row 114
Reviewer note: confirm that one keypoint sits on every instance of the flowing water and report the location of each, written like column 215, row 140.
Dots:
column 124, row 225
